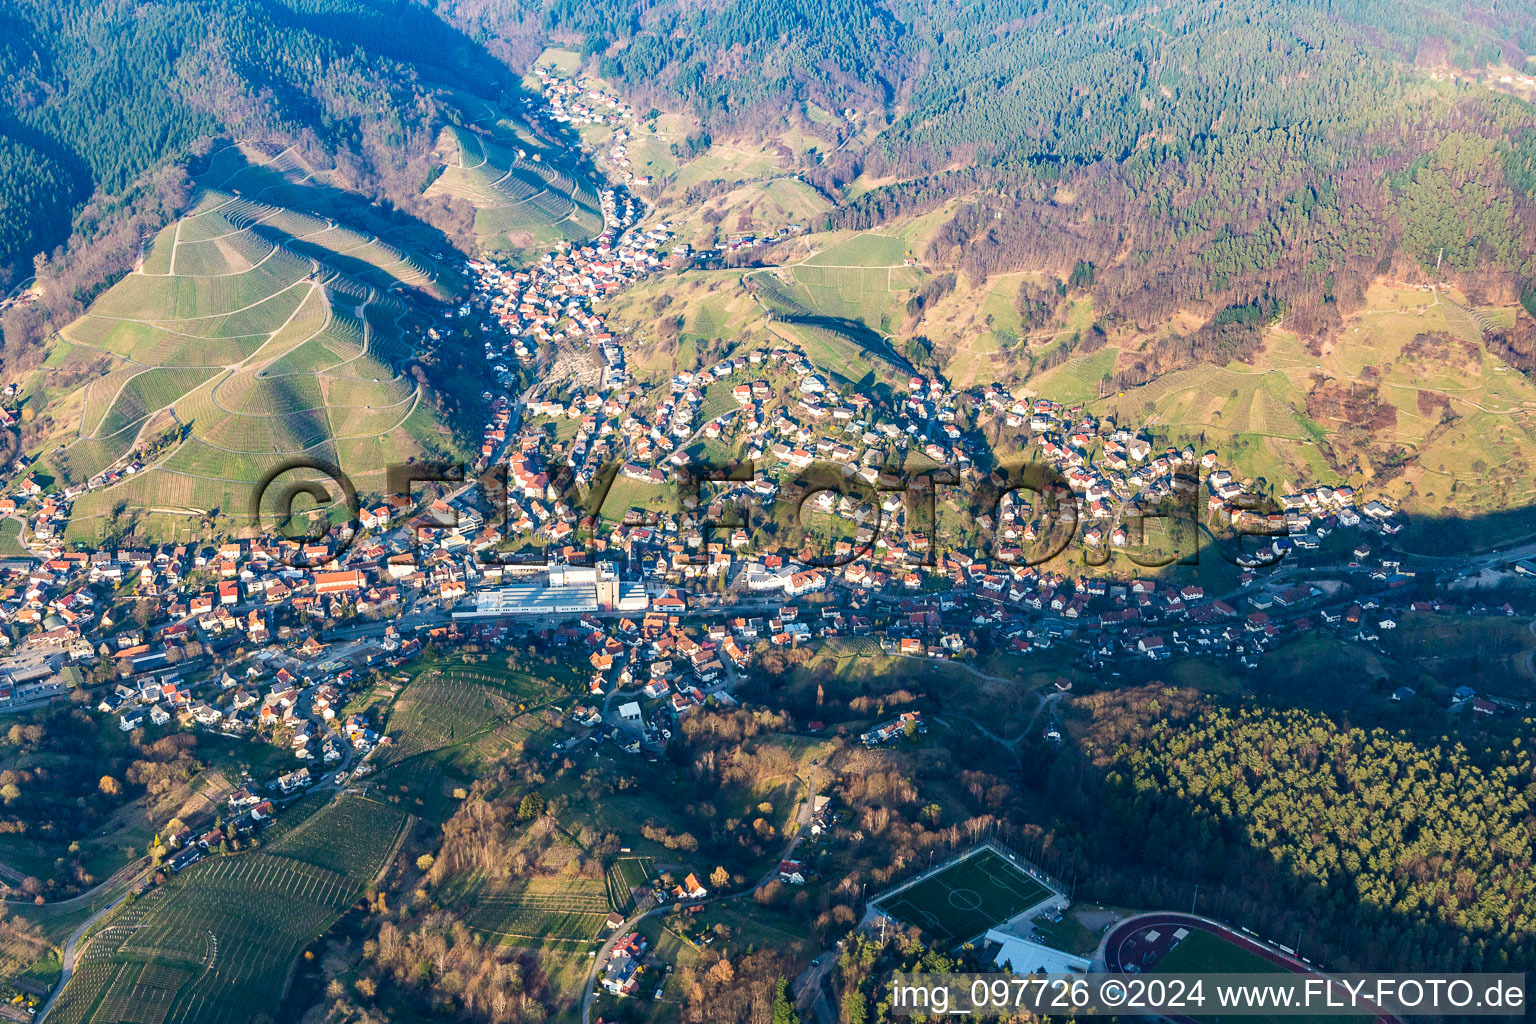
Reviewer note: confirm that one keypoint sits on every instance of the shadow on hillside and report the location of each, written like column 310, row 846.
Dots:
column 1454, row 537
column 262, row 183
column 410, row 34
column 868, row 340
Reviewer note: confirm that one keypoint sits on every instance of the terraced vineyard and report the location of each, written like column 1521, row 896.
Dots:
column 624, row 876
column 215, row 941
column 541, row 912
column 448, row 706
column 346, row 837
column 519, row 201
column 553, row 906
column 256, row 332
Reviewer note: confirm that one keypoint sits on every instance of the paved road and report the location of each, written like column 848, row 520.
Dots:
column 110, row 880
column 802, row 819
column 72, row 943
column 809, row 990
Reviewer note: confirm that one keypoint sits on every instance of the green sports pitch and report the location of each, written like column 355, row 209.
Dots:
column 966, row 898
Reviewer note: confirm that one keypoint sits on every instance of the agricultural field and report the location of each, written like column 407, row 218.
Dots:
column 1493, row 654
column 865, row 364
column 541, row 912
column 346, row 837
column 718, row 314
column 1455, row 408
column 252, row 332
column 10, row 539
column 840, row 296
column 727, row 163
column 1451, row 405
column 219, row 937
column 864, row 250
column 437, row 711
column 626, row 494
column 543, row 894
column 863, row 277
column 651, row 143
column 1433, row 654
column 474, row 708
column 625, row 875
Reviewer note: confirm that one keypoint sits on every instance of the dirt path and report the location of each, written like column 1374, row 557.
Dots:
column 1010, row 744
column 175, row 244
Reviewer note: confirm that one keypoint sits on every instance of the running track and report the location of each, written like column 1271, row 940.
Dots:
column 1114, row 944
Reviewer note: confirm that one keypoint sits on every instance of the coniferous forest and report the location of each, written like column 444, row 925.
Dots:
column 1387, row 849
column 99, row 94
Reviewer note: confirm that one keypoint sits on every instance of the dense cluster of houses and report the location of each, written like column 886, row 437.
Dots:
column 292, row 693
column 581, row 102
column 228, row 639
column 221, row 638
column 657, row 661
column 239, row 652
column 550, row 302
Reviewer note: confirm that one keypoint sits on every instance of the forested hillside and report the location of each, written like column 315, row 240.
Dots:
column 1197, row 155
column 97, row 93
column 1420, row 853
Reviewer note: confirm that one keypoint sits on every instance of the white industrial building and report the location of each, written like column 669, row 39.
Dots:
column 1022, row 956
column 560, row 590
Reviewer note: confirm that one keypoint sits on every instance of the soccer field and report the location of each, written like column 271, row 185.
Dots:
column 967, row 898
column 1201, row 952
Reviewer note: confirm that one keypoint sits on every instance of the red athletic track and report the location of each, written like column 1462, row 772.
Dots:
column 1115, row 940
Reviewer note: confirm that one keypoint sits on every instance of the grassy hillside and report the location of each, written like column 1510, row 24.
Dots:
column 1442, row 425
column 718, row 315
column 754, row 208
column 274, row 320
column 1453, row 423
